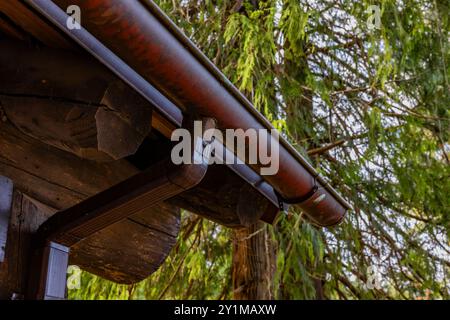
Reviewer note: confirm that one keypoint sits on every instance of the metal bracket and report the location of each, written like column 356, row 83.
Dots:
column 6, row 194
column 50, row 282
column 282, row 201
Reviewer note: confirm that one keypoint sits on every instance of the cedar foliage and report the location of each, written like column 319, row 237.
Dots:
column 369, row 107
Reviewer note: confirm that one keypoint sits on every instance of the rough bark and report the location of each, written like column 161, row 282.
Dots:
column 253, row 263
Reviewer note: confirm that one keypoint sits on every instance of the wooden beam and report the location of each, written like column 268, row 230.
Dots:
column 162, row 125
column 85, row 110
column 54, row 177
column 88, row 119
column 8, row 27
column 131, row 250
column 146, row 189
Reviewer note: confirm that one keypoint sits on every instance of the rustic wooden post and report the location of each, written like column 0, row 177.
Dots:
column 26, row 216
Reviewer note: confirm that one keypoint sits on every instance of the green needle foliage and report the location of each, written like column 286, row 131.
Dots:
column 368, row 104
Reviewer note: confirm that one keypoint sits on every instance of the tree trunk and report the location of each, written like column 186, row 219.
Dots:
column 253, row 263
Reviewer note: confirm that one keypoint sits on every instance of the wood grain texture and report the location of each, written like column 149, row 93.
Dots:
column 109, row 253
column 251, row 206
column 143, row 190
column 60, row 180
column 130, row 250
column 28, row 21
column 52, row 176
column 9, row 28
column 26, row 217
column 85, row 110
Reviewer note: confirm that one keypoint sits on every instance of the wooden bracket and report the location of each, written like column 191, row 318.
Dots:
column 66, row 228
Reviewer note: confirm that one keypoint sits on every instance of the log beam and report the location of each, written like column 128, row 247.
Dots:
column 59, row 180
column 85, row 110
column 52, row 263
column 54, row 177
column 160, row 182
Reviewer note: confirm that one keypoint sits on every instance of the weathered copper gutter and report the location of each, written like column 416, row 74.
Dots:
column 144, row 37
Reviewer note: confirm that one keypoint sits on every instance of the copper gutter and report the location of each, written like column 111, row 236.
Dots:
column 144, row 38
